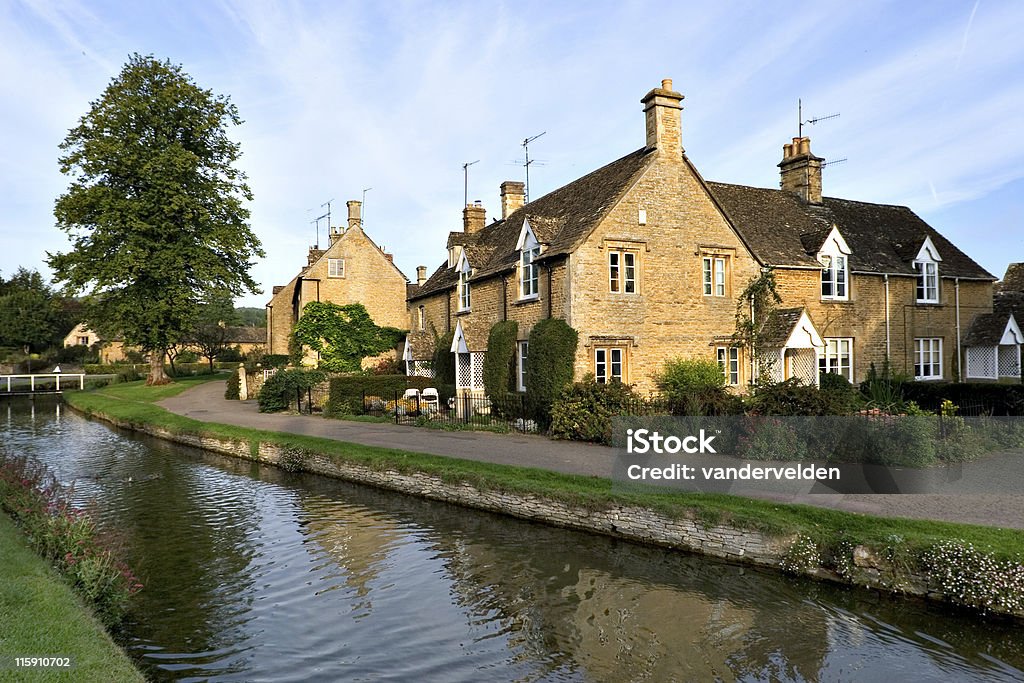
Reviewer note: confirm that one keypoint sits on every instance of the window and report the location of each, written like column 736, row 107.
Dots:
column 928, row 358
column 714, row 276
column 837, row 357
column 609, row 364
column 464, row 299
column 833, row 277
column 927, row 282
column 421, row 318
column 335, row 267
column 83, row 341
column 529, row 273
column 622, row 272
column 524, row 348
column 729, row 362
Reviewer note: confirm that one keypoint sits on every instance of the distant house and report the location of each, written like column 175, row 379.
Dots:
column 353, row 269
column 246, row 338
column 646, row 260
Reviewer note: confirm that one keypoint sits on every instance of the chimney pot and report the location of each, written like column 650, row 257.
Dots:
column 421, row 275
column 355, row 213
column 666, row 84
column 801, row 170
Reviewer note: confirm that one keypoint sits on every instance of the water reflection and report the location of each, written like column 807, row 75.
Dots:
column 253, row 573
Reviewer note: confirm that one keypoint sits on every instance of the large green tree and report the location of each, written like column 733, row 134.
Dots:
column 30, row 314
column 155, row 208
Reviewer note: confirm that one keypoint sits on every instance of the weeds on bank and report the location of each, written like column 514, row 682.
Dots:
column 67, row 537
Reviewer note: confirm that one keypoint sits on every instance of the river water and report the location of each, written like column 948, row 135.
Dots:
column 255, row 574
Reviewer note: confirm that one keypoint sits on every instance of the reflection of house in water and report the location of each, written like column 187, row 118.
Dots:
column 357, row 539
column 637, row 614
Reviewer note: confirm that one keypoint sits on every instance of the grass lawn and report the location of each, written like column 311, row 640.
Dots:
column 133, row 402
column 41, row 617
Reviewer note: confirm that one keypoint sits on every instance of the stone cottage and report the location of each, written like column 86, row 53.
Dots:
column 645, row 259
column 352, row 269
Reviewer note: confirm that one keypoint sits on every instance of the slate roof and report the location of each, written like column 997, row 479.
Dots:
column 986, row 330
column 246, row 334
column 783, row 230
column 777, row 328
column 1013, row 280
column 560, row 219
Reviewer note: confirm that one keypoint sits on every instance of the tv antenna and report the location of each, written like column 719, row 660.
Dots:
column 526, row 146
column 328, row 215
column 317, row 222
column 816, row 119
column 465, row 181
column 362, row 219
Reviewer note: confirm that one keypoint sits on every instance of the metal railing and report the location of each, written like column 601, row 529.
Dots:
column 511, row 412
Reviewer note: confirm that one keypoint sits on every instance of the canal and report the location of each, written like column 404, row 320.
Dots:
column 255, row 574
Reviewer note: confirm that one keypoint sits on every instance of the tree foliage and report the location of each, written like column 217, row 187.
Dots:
column 499, row 363
column 550, row 366
column 342, row 335
column 210, row 332
column 754, row 307
column 155, row 208
column 30, row 314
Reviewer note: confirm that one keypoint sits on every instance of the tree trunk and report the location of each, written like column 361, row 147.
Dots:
column 156, row 369
column 210, row 358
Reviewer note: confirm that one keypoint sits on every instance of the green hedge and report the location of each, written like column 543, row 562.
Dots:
column 234, row 387
column 444, row 359
column 584, row 410
column 346, row 393
column 282, row 386
column 972, row 398
column 549, row 368
column 499, row 363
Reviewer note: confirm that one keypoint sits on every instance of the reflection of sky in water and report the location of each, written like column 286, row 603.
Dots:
column 253, row 573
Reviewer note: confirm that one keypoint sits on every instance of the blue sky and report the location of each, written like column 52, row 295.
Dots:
column 396, row 96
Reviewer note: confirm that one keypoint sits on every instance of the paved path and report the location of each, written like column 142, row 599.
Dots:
column 206, row 402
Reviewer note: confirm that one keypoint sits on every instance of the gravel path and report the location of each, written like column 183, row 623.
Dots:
column 969, row 499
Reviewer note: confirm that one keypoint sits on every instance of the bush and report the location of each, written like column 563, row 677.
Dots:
column 499, row 363
column 444, row 359
column 973, row 398
column 584, row 410
column 345, row 396
column 234, row 387
column 794, row 398
column 695, row 387
column 282, row 386
column 78, row 354
column 843, row 395
column 551, row 364
column 274, row 360
column 388, row 366
column 232, row 354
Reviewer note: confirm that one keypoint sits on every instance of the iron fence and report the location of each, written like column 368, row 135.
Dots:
column 512, row 412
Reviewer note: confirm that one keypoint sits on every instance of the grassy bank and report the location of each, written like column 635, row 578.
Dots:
column 134, row 403
column 41, row 617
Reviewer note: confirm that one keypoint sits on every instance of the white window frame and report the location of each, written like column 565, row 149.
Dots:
column 522, row 355
column 335, row 267
column 622, row 266
column 927, row 286
column 464, row 294
column 714, row 269
column 529, row 271
column 605, row 362
column 929, row 348
column 837, row 357
column 729, row 363
column 835, row 273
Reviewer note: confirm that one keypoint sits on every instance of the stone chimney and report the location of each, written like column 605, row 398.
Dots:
column 801, row 171
column 421, row 275
column 662, row 107
column 355, row 213
column 473, row 217
column 513, row 196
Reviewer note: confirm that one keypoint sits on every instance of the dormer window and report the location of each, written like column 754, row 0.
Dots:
column 529, row 271
column 464, row 272
column 835, row 267
column 927, row 266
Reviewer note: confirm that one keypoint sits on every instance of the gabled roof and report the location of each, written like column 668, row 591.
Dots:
column 790, row 328
column 991, row 329
column 246, row 334
column 783, row 230
column 561, row 220
column 1013, row 280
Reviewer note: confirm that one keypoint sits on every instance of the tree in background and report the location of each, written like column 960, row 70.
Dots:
column 31, row 316
column 210, row 335
column 155, row 208
column 251, row 317
column 342, row 335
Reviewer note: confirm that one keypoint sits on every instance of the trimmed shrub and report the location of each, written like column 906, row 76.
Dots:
column 843, row 393
column 444, row 359
column 234, row 386
column 283, row 385
column 584, row 410
column 345, row 396
column 499, row 361
column 550, row 365
column 794, row 398
column 972, row 398
column 695, row 387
